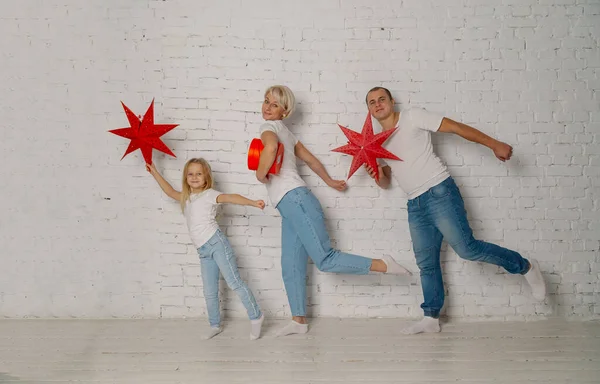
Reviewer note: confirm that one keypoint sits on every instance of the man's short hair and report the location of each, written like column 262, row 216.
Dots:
column 377, row 89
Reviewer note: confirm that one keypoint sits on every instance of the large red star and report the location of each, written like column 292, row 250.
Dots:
column 144, row 134
column 366, row 147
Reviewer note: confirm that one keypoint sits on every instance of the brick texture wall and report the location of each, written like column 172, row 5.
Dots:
column 86, row 235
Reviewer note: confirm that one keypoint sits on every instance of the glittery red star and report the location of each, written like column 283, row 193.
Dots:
column 366, row 147
column 144, row 134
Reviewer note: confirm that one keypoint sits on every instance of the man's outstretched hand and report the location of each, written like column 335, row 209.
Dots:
column 502, row 151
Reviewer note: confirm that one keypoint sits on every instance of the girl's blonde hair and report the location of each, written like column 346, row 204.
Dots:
column 186, row 190
column 285, row 97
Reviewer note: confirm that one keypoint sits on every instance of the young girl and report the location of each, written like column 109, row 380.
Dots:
column 199, row 204
column 303, row 225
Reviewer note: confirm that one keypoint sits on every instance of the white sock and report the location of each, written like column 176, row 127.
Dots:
column 427, row 325
column 214, row 331
column 292, row 328
column 393, row 267
column 256, row 326
column 536, row 280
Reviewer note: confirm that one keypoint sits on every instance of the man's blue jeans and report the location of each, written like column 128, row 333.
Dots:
column 303, row 234
column 440, row 213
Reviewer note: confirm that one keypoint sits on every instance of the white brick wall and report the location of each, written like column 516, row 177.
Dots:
column 87, row 235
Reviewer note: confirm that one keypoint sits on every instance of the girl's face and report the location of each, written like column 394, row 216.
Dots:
column 196, row 177
column 271, row 109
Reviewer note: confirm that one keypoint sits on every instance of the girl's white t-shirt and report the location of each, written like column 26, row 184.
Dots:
column 420, row 169
column 288, row 177
column 200, row 213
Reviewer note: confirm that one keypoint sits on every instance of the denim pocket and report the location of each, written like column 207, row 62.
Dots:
column 207, row 248
column 440, row 190
column 412, row 205
column 203, row 252
column 312, row 206
column 214, row 240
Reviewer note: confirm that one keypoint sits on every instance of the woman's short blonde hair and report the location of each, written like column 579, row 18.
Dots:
column 284, row 96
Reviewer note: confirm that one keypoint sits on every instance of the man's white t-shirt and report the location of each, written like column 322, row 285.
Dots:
column 200, row 213
column 420, row 169
column 288, row 177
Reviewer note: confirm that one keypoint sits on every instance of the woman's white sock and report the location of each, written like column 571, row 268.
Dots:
column 214, row 331
column 292, row 328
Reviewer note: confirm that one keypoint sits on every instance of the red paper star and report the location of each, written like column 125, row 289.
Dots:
column 366, row 147
column 144, row 134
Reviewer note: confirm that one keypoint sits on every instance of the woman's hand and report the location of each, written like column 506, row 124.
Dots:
column 339, row 185
column 260, row 204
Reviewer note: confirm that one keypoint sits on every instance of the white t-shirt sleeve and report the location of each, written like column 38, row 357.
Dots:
column 294, row 138
column 268, row 127
column 212, row 194
column 425, row 120
column 271, row 127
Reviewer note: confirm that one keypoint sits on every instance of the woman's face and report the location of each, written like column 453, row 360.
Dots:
column 271, row 109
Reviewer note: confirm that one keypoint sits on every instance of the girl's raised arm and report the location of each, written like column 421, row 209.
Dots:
column 164, row 184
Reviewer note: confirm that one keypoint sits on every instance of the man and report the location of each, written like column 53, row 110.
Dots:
column 435, row 206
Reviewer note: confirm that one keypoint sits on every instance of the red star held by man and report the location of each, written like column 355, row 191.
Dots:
column 366, row 147
column 144, row 134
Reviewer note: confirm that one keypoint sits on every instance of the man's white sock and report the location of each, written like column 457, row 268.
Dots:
column 536, row 280
column 426, row 325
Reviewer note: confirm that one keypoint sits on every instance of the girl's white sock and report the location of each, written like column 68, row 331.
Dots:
column 256, row 326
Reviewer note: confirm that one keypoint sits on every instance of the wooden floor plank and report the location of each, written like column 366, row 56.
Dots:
column 334, row 351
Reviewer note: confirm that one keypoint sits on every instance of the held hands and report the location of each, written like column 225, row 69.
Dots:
column 339, row 185
column 502, row 151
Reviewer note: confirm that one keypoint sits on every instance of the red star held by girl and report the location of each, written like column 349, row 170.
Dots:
column 366, row 147
column 144, row 134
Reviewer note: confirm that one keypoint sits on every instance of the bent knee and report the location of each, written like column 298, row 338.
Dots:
column 325, row 264
column 468, row 251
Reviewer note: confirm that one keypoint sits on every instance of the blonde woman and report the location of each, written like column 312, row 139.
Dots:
column 303, row 233
column 199, row 205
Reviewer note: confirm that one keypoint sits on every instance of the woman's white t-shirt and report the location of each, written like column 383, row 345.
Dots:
column 288, row 177
column 200, row 213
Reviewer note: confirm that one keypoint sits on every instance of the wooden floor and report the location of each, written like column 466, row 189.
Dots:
column 334, row 351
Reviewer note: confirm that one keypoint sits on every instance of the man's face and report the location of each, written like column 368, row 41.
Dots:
column 380, row 105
